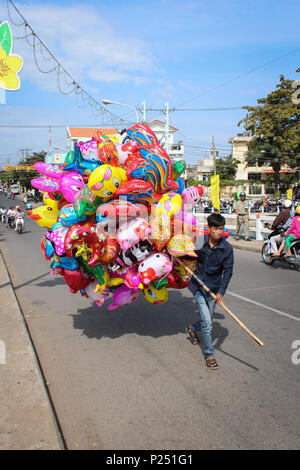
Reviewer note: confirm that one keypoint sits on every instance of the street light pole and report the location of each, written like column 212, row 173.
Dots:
column 122, row 104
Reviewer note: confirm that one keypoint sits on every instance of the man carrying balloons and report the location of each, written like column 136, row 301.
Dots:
column 214, row 267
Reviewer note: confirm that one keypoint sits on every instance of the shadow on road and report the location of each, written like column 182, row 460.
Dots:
column 144, row 319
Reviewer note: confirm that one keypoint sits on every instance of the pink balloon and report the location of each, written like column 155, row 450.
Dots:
column 123, row 296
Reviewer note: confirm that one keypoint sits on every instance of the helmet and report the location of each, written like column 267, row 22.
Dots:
column 297, row 209
column 18, row 208
column 287, row 203
column 242, row 193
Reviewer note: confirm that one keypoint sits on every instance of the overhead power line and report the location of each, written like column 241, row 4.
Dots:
column 83, row 98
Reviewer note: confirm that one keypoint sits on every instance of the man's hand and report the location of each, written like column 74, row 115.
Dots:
column 219, row 298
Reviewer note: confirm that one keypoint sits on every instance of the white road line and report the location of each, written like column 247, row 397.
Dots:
column 279, row 312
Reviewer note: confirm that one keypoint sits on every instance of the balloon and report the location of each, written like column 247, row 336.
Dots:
column 118, row 219
column 105, row 180
column 130, row 277
column 84, row 239
column 111, row 248
column 67, row 216
column 156, row 296
column 68, row 183
column 192, row 195
column 136, row 191
column 130, row 233
column 107, row 150
column 135, row 254
column 179, row 278
column 154, row 266
column 92, row 293
column 123, row 296
column 142, row 134
column 85, row 202
column 82, row 163
column 47, row 248
column 76, row 280
column 125, row 150
column 57, row 237
column 178, row 168
column 89, row 150
column 169, row 205
column 117, row 209
column 180, row 183
column 181, row 245
column 64, row 262
column 46, row 215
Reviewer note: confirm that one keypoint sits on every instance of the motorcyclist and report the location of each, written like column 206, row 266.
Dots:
column 281, row 223
column 19, row 217
column 3, row 216
column 10, row 216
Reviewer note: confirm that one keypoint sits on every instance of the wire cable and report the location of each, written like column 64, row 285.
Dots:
column 59, row 69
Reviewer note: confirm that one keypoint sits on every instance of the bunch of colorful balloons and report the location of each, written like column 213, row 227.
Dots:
column 118, row 218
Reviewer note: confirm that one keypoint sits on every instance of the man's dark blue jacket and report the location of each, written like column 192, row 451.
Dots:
column 214, row 266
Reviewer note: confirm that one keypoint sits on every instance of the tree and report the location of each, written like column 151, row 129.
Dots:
column 275, row 125
column 227, row 167
column 35, row 157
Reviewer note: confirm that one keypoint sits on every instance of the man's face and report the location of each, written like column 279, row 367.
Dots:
column 216, row 232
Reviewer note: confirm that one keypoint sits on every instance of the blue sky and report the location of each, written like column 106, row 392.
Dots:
column 187, row 53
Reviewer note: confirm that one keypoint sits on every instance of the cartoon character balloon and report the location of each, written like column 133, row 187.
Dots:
column 68, row 183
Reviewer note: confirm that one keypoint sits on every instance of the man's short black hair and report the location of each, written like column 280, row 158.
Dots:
column 215, row 220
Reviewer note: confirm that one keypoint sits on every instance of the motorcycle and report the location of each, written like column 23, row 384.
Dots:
column 293, row 260
column 19, row 224
column 11, row 222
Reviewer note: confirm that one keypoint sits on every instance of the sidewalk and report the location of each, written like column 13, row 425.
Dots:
column 26, row 418
column 241, row 244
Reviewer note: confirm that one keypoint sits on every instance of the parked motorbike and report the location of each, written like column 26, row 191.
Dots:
column 293, row 260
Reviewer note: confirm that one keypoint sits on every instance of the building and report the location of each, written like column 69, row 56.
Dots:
column 176, row 150
column 56, row 158
column 252, row 173
column 256, row 175
column 83, row 134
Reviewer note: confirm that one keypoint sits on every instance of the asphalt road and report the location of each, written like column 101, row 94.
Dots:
column 130, row 379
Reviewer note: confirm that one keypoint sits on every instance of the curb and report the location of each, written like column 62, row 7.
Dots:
column 26, row 415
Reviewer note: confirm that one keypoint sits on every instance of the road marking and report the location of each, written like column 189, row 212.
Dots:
column 269, row 287
column 279, row 312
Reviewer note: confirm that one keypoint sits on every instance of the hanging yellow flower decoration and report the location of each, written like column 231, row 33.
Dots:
column 9, row 67
column 10, row 64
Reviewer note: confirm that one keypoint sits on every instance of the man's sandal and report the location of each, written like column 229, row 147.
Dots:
column 211, row 363
column 192, row 335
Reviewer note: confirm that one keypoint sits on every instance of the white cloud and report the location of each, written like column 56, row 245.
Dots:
column 85, row 43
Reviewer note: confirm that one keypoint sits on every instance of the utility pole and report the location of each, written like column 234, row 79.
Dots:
column 50, row 140
column 167, row 134
column 213, row 152
column 143, row 111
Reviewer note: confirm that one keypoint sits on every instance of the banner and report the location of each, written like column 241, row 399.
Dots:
column 215, row 191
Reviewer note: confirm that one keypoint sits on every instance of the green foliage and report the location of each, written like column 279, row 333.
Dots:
column 227, row 167
column 275, row 125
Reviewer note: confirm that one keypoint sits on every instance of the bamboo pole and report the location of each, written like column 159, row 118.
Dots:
column 221, row 303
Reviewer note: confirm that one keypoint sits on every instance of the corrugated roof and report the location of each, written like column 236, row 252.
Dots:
column 89, row 132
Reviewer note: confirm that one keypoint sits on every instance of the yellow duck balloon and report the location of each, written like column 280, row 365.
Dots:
column 46, row 215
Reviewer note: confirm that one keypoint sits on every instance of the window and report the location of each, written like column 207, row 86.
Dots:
column 254, row 176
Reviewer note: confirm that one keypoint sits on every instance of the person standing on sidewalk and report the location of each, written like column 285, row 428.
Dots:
column 242, row 214
column 214, row 267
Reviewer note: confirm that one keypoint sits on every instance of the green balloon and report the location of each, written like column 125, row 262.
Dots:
column 178, row 168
